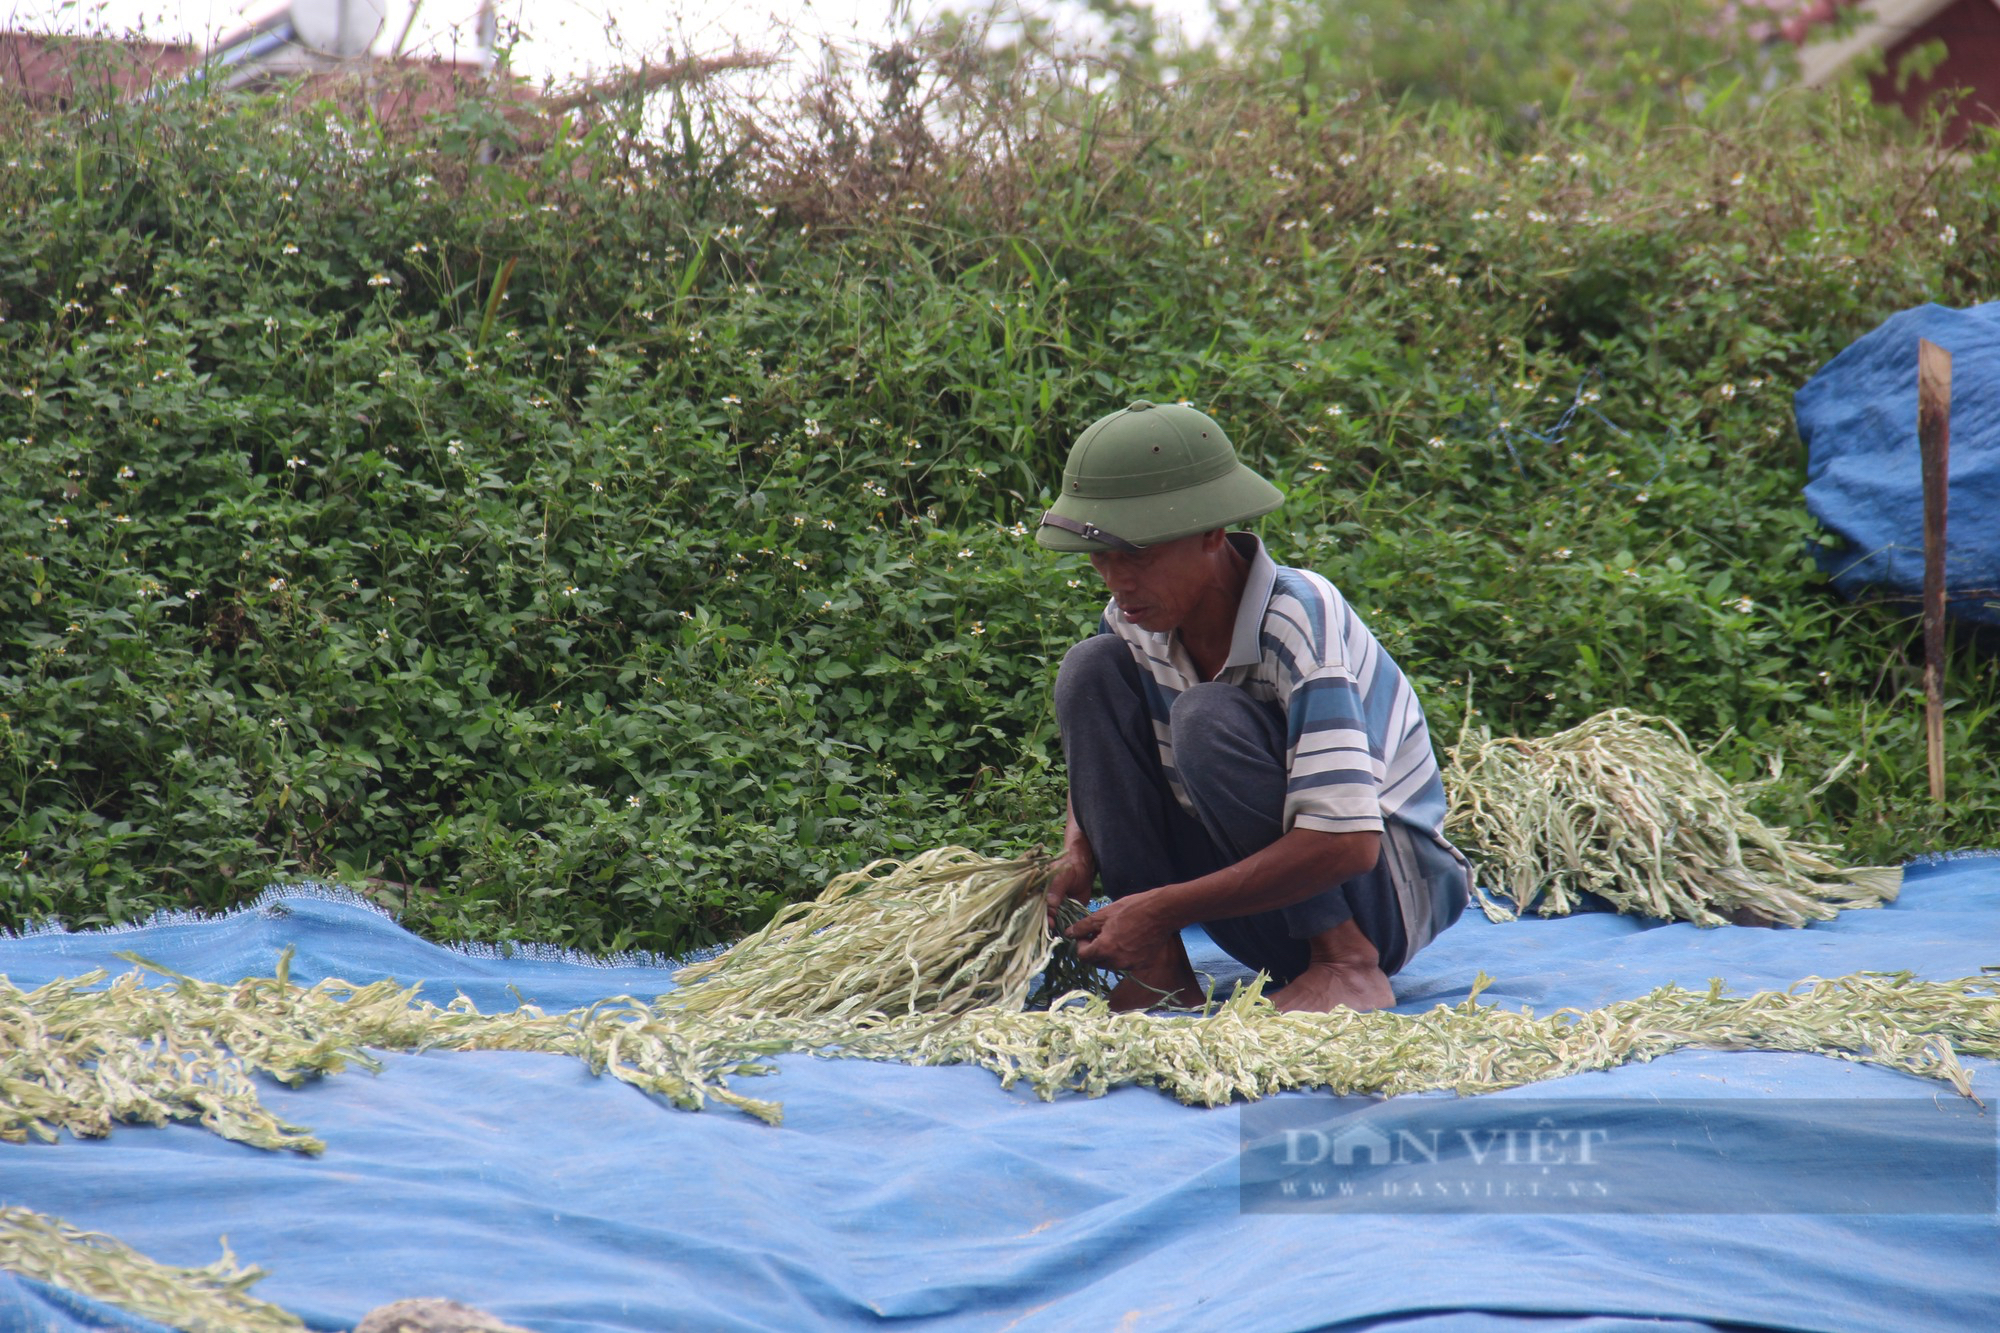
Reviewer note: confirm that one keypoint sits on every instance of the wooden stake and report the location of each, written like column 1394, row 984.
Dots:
column 1934, row 440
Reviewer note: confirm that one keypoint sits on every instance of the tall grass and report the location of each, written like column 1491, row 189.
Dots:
column 602, row 529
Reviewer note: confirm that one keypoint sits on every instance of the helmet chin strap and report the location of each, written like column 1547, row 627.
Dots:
column 1088, row 531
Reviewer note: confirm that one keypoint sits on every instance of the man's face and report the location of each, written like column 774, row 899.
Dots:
column 1157, row 586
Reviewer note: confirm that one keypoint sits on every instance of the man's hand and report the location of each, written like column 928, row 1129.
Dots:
column 1073, row 882
column 1077, row 875
column 1125, row 936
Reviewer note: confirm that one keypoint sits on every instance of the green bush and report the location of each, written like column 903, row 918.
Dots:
column 1521, row 59
column 597, row 533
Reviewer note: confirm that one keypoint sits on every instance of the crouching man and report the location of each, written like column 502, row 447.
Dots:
column 1242, row 753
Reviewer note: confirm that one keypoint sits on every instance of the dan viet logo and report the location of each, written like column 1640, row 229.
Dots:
column 1721, row 1155
column 1505, row 1161
column 1543, row 1145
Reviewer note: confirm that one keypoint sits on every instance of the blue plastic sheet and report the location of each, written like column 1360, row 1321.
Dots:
column 1864, row 475
column 934, row 1199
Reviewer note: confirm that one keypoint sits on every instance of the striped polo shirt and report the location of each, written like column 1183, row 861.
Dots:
column 1358, row 753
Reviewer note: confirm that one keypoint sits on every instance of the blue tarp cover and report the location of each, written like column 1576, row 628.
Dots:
column 1864, row 476
column 932, row 1199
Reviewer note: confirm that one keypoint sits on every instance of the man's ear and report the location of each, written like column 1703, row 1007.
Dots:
column 1212, row 540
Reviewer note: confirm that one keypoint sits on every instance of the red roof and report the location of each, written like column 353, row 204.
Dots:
column 1970, row 70
column 44, row 70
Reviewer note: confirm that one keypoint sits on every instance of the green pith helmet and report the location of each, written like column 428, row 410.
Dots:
column 1148, row 474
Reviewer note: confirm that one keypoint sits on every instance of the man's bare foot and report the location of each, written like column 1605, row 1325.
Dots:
column 1169, row 981
column 1326, row 986
column 1345, row 972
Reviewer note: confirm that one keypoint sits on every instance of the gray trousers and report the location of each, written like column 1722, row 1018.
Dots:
column 1229, row 751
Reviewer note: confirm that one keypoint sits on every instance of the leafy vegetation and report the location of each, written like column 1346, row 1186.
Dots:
column 601, row 531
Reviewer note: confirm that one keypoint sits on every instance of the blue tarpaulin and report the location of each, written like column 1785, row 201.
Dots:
column 1864, row 476
column 933, row 1199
